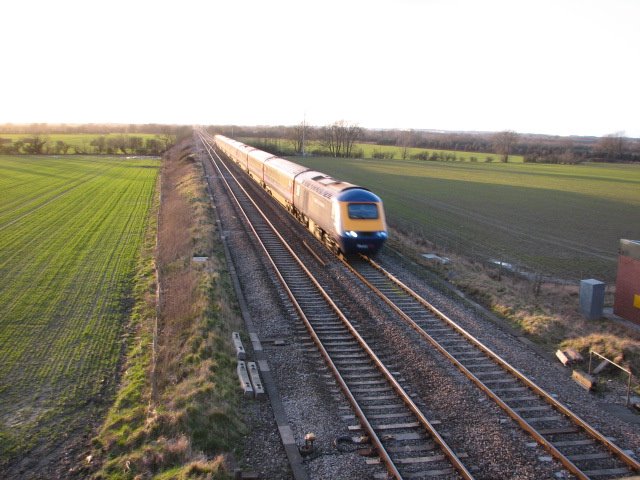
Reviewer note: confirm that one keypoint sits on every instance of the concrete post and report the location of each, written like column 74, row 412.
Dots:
column 591, row 298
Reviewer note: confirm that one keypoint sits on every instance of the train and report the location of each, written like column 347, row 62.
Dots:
column 348, row 218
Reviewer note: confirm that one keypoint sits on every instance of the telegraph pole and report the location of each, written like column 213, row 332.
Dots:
column 304, row 127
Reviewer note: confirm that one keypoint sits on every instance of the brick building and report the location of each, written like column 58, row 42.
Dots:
column 627, row 301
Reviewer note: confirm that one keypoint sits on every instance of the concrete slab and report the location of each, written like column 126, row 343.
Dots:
column 237, row 343
column 256, row 383
column 243, row 376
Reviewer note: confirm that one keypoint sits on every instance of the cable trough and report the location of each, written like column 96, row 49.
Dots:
column 581, row 449
column 403, row 439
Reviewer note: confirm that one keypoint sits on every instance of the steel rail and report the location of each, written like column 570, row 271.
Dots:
column 391, row 468
column 632, row 463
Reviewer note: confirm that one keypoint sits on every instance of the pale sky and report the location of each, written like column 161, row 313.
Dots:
column 545, row 66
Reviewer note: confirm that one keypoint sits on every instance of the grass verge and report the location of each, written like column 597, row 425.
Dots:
column 176, row 413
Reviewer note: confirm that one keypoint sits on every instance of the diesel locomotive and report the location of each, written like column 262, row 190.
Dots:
column 349, row 219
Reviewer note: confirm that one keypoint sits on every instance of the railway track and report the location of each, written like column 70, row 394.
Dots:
column 408, row 445
column 404, row 440
column 581, row 449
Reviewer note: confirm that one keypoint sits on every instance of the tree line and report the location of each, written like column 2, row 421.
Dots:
column 339, row 138
column 41, row 143
column 92, row 128
column 100, row 145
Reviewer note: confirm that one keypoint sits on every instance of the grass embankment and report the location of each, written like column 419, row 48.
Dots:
column 560, row 220
column 70, row 234
column 176, row 415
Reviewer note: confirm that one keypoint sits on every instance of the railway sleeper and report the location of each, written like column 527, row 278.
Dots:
column 523, row 398
column 486, row 374
column 376, row 398
column 344, row 350
column 397, row 426
column 357, row 368
column 551, row 418
column 362, row 376
column 352, row 361
column 367, row 382
column 422, row 447
column 387, row 407
column 541, row 408
column 430, row 473
column 605, row 472
column 509, row 390
column 366, row 389
column 574, row 443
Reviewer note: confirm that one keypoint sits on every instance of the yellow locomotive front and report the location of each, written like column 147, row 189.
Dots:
column 360, row 223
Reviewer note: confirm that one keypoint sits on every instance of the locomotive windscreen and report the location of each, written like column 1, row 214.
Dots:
column 363, row 211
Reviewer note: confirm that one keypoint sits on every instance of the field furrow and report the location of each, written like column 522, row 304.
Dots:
column 68, row 251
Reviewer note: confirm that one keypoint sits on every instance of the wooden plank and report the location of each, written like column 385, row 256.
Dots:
column 562, row 357
column 583, row 379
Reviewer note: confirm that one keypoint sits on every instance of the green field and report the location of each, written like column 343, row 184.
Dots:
column 370, row 150
column 70, row 233
column 561, row 220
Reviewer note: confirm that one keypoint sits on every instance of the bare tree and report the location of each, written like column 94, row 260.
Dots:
column 406, row 138
column 297, row 136
column 503, row 142
column 332, row 139
column 339, row 138
column 612, row 146
column 352, row 133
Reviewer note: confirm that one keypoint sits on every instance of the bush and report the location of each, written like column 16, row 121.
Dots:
column 424, row 156
column 377, row 154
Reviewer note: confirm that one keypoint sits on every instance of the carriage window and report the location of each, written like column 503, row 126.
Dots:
column 364, row 211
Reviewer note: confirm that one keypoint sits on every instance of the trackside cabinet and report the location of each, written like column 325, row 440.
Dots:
column 627, row 301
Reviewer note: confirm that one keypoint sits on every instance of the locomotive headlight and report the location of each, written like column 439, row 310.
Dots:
column 382, row 235
column 351, row 234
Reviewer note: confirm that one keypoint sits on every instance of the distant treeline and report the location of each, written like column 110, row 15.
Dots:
column 88, row 145
column 534, row 148
column 43, row 139
column 94, row 128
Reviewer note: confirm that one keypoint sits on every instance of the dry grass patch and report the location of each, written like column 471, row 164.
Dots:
column 547, row 313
